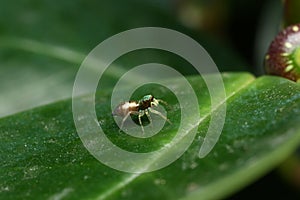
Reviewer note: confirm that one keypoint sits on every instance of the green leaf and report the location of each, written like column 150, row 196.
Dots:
column 42, row 156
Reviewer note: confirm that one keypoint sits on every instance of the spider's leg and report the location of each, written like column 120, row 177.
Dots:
column 161, row 115
column 148, row 115
column 163, row 102
column 141, row 113
column 123, row 120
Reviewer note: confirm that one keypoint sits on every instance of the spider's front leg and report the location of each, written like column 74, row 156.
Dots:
column 160, row 114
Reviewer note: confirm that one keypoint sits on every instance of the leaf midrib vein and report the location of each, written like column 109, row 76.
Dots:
column 128, row 179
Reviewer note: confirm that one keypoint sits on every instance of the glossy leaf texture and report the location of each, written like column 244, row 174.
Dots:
column 42, row 156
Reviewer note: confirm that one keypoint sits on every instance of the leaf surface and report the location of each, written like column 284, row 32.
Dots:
column 42, row 156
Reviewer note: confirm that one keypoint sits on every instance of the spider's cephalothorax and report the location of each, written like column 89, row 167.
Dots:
column 140, row 108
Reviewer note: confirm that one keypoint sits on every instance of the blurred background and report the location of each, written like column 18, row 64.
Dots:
column 43, row 42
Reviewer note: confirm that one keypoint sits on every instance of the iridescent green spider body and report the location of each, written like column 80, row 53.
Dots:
column 140, row 108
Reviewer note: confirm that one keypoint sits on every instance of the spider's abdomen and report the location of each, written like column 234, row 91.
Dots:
column 127, row 107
